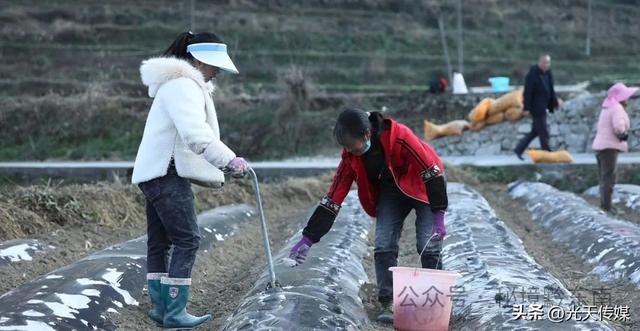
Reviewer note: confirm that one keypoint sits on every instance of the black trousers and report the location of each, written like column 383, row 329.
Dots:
column 538, row 129
column 392, row 209
column 607, row 160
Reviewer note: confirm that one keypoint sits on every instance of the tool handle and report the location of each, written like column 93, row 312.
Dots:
column 273, row 283
column 265, row 235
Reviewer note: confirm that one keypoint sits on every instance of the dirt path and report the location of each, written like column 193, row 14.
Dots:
column 224, row 275
column 557, row 259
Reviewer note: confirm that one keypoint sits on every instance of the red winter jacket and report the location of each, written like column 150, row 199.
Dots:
column 412, row 163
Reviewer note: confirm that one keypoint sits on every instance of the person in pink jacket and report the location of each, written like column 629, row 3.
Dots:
column 611, row 138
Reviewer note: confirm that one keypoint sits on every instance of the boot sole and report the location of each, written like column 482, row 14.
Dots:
column 385, row 320
column 182, row 328
column 187, row 328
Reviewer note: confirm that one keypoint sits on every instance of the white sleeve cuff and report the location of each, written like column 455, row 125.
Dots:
column 218, row 154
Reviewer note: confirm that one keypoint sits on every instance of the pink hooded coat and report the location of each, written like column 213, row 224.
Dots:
column 613, row 119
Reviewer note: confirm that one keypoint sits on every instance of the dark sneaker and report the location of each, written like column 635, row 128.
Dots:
column 519, row 155
column 386, row 315
column 615, row 211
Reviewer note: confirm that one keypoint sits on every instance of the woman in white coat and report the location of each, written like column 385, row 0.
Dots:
column 180, row 145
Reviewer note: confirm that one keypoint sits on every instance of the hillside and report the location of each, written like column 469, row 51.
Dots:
column 66, row 66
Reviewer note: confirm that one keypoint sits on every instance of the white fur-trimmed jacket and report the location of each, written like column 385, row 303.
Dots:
column 182, row 123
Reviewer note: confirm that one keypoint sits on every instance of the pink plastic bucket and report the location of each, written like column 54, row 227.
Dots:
column 422, row 298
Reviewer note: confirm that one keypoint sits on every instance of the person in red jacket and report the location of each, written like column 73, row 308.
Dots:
column 396, row 172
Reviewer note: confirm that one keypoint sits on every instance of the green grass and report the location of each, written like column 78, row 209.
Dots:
column 109, row 147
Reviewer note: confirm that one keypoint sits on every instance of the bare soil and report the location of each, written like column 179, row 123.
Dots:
column 222, row 276
column 81, row 219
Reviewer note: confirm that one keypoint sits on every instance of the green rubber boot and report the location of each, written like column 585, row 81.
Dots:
column 175, row 294
column 156, row 313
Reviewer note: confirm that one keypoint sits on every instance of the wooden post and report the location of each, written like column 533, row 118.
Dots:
column 445, row 48
column 587, row 50
column 460, row 40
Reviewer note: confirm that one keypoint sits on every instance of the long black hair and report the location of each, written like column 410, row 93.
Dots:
column 354, row 123
column 179, row 46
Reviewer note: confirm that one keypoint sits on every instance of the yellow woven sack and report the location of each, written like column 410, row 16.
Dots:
column 511, row 99
column 453, row 128
column 478, row 126
column 479, row 113
column 514, row 114
column 495, row 119
column 541, row 156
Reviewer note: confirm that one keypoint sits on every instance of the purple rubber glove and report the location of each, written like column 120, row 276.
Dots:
column 238, row 167
column 299, row 251
column 438, row 224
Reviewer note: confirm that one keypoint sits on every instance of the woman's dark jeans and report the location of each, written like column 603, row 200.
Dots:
column 392, row 209
column 171, row 221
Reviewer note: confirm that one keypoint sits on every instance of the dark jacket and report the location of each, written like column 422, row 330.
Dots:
column 539, row 94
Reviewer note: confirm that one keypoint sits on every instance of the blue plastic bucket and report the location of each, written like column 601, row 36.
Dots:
column 499, row 84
